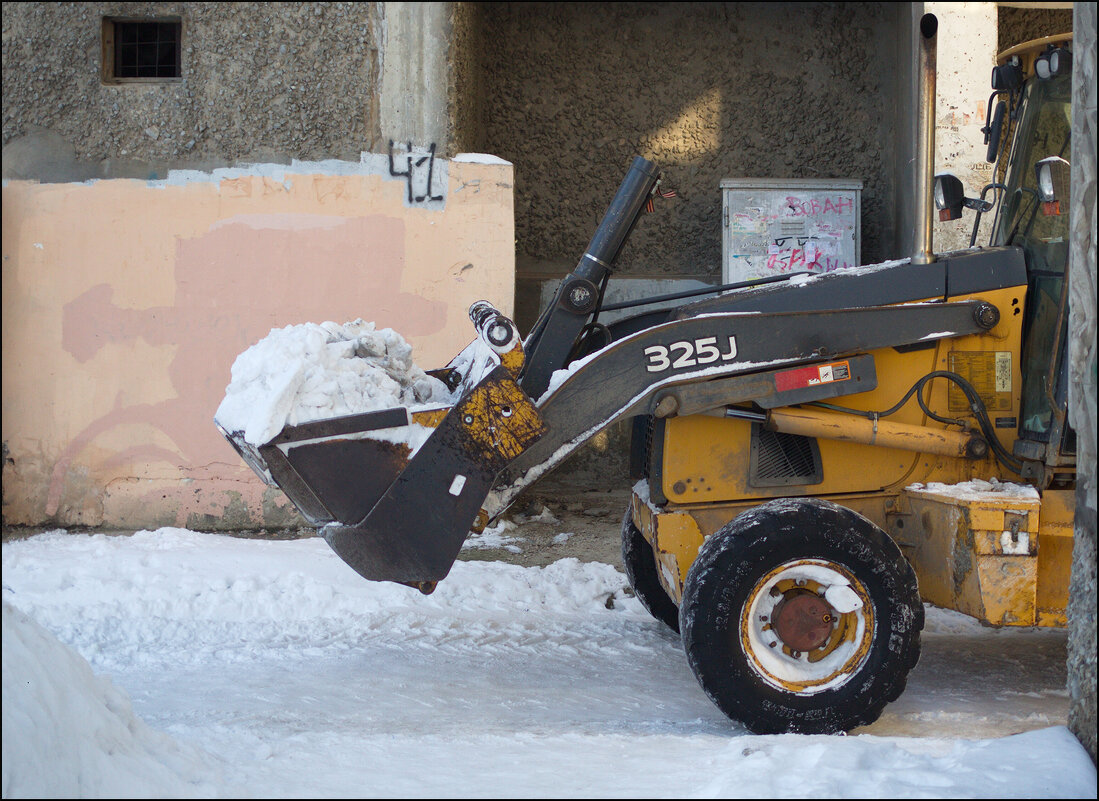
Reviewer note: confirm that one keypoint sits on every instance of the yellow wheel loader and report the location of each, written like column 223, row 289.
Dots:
column 814, row 454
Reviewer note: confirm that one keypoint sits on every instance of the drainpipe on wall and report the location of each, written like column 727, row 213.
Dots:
column 925, row 140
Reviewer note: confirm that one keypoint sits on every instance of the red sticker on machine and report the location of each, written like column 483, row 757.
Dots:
column 811, row 376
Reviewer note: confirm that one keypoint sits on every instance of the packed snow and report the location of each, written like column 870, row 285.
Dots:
column 177, row 663
column 313, row 371
column 69, row 732
column 493, row 537
column 979, row 490
column 808, row 278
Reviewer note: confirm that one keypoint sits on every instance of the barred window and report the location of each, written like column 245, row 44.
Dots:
column 141, row 49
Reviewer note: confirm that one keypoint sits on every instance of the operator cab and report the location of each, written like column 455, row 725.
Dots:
column 1031, row 196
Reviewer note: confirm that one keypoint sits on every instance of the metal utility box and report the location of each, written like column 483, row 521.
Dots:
column 772, row 226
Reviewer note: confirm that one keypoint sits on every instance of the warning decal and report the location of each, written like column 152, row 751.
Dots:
column 811, row 376
column 990, row 374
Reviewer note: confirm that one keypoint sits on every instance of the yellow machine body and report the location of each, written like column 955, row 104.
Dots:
column 1002, row 557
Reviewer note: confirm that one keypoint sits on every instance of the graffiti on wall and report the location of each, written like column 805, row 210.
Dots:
column 776, row 230
column 419, row 169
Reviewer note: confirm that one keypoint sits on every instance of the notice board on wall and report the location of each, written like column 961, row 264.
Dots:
column 774, row 226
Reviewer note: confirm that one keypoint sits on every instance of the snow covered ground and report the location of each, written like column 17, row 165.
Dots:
column 176, row 663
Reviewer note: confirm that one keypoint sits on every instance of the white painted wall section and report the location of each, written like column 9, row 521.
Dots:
column 967, row 52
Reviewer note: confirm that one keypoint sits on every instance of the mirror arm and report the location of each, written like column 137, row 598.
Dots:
column 981, row 206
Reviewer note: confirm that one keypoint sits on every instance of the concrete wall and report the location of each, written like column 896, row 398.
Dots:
column 125, row 303
column 261, row 82
column 1082, row 367
column 414, row 56
column 708, row 91
column 465, row 86
column 966, row 54
column 1021, row 22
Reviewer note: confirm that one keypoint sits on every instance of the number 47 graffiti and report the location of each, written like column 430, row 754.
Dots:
column 413, row 165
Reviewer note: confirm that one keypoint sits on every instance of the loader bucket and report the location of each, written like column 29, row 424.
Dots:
column 397, row 491
column 332, row 470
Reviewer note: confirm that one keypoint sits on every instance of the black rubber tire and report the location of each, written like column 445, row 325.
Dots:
column 731, row 570
column 640, row 565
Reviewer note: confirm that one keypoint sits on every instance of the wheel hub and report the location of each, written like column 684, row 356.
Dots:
column 795, row 638
column 803, row 621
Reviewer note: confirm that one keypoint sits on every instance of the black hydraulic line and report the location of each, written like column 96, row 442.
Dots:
column 586, row 333
column 976, row 405
column 950, row 421
column 593, row 325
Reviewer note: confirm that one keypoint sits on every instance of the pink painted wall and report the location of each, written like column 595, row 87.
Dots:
column 126, row 302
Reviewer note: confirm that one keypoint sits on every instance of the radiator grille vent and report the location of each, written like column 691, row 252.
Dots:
column 779, row 460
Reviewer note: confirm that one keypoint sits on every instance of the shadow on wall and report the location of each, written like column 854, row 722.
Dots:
column 708, row 92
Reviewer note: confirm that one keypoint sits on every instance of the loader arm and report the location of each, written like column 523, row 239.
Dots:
column 738, row 354
column 498, row 440
column 396, row 492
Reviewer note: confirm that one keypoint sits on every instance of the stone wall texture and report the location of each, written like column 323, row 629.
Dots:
column 1082, row 380
column 465, row 90
column 1018, row 25
column 572, row 91
column 261, row 82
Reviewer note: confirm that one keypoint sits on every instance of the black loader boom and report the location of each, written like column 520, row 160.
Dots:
column 394, row 518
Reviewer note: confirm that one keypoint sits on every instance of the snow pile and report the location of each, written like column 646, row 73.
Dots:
column 69, row 733
column 121, row 601
column 311, row 372
column 979, row 490
column 546, row 515
column 494, row 537
column 310, row 682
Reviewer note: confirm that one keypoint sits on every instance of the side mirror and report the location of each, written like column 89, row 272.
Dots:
column 950, row 198
column 993, row 130
column 1054, row 178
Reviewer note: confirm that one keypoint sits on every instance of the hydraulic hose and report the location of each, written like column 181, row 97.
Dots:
column 976, row 405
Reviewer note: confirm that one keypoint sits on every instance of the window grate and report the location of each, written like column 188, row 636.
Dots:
column 135, row 50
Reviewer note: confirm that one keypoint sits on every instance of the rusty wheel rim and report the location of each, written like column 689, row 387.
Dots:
column 794, row 636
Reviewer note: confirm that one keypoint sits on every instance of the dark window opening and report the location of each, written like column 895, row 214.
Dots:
column 141, row 49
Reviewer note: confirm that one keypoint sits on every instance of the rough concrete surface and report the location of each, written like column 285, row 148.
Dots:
column 708, row 91
column 1082, row 382
column 260, row 82
column 465, row 90
column 1018, row 25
